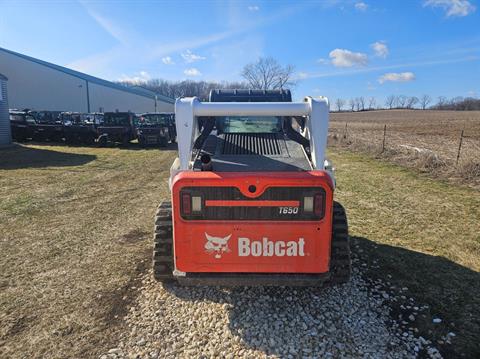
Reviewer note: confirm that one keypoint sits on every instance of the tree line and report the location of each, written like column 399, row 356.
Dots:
column 267, row 73
column 408, row 102
column 264, row 74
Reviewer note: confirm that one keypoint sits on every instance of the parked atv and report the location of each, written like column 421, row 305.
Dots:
column 21, row 124
column 117, row 127
column 47, row 126
column 156, row 129
column 78, row 128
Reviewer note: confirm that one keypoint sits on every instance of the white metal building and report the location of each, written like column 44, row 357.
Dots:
column 40, row 85
column 5, row 132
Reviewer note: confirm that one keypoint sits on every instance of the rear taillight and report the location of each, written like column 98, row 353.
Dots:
column 318, row 204
column 191, row 205
column 196, row 204
column 308, row 204
column 186, row 203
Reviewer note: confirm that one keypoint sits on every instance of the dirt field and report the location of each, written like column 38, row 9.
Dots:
column 428, row 140
column 76, row 228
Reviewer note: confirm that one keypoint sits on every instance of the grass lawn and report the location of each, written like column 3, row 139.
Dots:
column 424, row 234
column 76, row 226
column 75, row 235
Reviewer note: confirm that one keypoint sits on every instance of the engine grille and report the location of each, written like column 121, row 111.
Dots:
column 248, row 213
column 251, row 144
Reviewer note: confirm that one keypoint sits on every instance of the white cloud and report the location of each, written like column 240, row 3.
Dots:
column 167, row 60
column 452, row 7
column 190, row 57
column 397, row 77
column 323, row 61
column 347, row 58
column 380, row 48
column 253, row 8
column 137, row 78
column 302, row 75
column 192, row 72
column 361, row 6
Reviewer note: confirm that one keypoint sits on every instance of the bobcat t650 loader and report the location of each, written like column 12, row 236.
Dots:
column 251, row 195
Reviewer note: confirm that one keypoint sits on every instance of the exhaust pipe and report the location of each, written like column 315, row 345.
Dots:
column 206, row 162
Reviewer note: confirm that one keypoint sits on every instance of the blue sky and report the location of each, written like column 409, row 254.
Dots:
column 339, row 48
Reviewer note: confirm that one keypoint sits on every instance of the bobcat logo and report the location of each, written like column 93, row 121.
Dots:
column 217, row 245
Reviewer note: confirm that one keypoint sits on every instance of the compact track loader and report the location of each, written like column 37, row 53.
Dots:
column 251, row 195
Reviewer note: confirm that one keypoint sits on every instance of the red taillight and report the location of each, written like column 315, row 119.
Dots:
column 318, row 205
column 186, row 203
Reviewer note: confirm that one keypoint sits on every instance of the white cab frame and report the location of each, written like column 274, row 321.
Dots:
column 188, row 109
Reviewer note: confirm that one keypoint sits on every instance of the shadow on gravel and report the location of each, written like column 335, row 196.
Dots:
column 287, row 321
column 451, row 291
column 19, row 156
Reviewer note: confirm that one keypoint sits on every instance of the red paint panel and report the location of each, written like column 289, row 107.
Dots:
column 235, row 246
column 219, row 203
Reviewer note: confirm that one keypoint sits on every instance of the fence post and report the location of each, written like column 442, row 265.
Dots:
column 459, row 147
column 384, row 136
column 346, row 129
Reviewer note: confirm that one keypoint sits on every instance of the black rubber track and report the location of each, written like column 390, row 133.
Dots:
column 163, row 244
column 340, row 261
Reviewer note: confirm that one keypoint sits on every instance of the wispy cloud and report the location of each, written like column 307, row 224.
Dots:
column 391, row 67
column 323, row 61
column 361, row 6
column 253, row 8
column 397, row 77
column 190, row 57
column 167, row 60
column 347, row 58
column 109, row 26
column 452, row 8
column 140, row 77
column 192, row 72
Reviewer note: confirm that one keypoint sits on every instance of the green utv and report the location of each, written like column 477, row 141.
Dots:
column 156, row 129
column 117, row 127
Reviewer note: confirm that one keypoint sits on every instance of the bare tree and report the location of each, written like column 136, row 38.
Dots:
column 361, row 101
column 175, row 89
column 442, row 101
column 357, row 104
column 371, row 103
column 340, row 103
column 424, row 101
column 411, row 102
column 352, row 103
column 401, row 101
column 267, row 74
column 390, row 101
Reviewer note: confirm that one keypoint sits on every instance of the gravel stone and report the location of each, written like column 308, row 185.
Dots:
column 348, row 321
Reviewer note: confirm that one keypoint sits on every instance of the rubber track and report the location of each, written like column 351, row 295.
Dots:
column 163, row 243
column 340, row 261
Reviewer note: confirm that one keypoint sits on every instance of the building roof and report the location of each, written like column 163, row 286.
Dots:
column 4, row 78
column 134, row 90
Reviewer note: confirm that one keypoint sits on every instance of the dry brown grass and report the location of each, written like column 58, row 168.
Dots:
column 426, row 140
column 75, row 234
column 422, row 234
column 76, row 226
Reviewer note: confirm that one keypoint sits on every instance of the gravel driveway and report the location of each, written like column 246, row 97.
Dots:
column 349, row 321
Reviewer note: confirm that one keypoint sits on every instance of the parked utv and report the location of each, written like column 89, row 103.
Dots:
column 117, row 127
column 47, row 126
column 78, row 128
column 21, row 124
column 156, row 129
